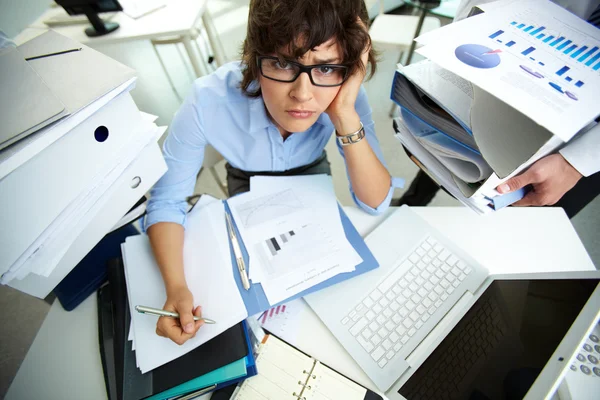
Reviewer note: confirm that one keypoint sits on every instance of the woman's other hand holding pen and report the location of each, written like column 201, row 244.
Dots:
column 179, row 300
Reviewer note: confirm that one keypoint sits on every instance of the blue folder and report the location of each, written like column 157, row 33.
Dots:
column 255, row 299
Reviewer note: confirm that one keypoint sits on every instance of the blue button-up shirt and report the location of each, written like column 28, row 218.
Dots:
column 219, row 114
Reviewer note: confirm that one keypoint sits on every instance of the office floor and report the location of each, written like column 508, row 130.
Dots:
column 22, row 315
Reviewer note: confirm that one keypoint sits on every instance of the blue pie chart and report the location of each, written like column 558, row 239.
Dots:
column 477, row 56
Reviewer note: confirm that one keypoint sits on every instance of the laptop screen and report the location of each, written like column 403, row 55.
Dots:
column 501, row 345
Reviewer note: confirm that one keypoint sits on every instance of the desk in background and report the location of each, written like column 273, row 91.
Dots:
column 446, row 9
column 178, row 17
column 64, row 360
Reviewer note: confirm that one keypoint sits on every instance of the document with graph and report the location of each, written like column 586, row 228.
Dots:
column 533, row 55
column 293, row 233
column 287, row 373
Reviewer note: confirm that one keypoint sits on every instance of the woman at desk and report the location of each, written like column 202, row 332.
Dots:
column 303, row 63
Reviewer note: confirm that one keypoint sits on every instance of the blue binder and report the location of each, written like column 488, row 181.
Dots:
column 255, row 299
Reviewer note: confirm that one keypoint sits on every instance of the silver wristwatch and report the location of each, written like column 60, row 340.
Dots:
column 352, row 138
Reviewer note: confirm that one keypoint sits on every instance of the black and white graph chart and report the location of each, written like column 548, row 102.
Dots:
column 270, row 207
column 275, row 244
column 296, row 248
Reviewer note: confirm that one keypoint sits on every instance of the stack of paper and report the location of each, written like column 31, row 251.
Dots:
column 208, row 274
column 436, row 124
column 498, row 91
column 436, row 169
column 291, row 229
column 293, row 233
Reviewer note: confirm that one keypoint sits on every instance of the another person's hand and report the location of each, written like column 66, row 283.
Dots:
column 180, row 330
column 551, row 177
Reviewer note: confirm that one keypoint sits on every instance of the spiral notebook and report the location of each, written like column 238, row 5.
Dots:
column 286, row 373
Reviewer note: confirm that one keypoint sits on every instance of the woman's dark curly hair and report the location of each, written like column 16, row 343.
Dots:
column 275, row 27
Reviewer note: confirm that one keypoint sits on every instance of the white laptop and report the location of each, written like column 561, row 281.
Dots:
column 431, row 324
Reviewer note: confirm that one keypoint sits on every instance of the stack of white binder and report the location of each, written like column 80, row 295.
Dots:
column 68, row 178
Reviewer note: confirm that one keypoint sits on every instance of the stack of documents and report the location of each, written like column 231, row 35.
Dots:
column 64, row 173
column 498, row 91
column 295, row 240
column 208, row 274
column 423, row 90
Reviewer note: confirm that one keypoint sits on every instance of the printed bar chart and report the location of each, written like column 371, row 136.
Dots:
column 528, row 51
column 538, row 30
column 589, row 53
column 593, row 59
column 275, row 244
column 496, row 34
column 578, row 52
column 565, row 44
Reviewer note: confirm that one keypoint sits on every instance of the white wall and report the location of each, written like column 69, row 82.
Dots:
column 15, row 15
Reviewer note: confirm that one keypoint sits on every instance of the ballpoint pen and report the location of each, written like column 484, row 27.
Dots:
column 163, row 313
column 237, row 251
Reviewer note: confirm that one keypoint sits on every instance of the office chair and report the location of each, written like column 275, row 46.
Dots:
column 396, row 32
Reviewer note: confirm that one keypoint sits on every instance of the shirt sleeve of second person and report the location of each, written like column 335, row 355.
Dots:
column 366, row 117
column 183, row 151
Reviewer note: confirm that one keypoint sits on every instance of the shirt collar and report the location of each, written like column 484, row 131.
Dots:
column 259, row 119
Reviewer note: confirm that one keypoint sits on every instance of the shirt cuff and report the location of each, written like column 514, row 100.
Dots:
column 582, row 152
column 396, row 183
column 172, row 212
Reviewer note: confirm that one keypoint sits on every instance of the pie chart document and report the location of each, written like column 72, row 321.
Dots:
column 533, row 55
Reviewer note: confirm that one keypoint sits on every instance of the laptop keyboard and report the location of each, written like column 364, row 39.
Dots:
column 385, row 320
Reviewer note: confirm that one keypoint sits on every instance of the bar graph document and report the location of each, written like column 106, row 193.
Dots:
column 534, row 55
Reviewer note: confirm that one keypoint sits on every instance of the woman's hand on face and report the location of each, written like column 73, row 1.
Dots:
column 343, row 104
column 180, row 330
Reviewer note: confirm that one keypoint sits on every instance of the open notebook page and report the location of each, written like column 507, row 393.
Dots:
column 280, row 368
column 330, row 385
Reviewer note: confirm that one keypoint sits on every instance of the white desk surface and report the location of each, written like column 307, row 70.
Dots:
column 64, row 361
column 178, row 17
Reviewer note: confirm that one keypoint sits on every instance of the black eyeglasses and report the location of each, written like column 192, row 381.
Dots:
column 325, row 75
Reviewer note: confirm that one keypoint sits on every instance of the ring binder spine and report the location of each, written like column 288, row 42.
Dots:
column 306, row 372
column 305, row 385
